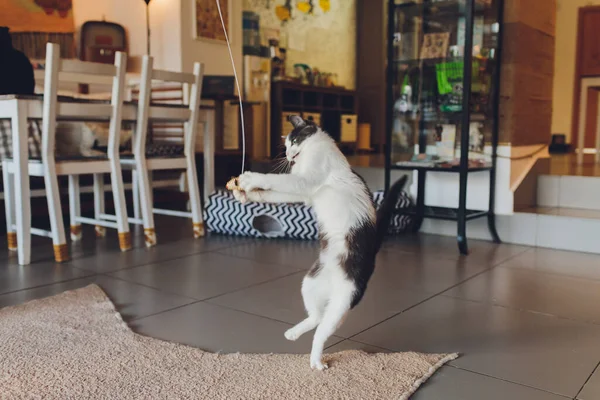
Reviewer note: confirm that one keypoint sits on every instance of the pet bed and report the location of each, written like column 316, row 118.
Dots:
column 226, row 215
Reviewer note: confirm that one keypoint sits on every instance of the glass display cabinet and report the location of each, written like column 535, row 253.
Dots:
column 443, row 74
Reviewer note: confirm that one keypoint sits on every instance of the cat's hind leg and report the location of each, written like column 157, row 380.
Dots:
column 335, row 312
column 314, row 295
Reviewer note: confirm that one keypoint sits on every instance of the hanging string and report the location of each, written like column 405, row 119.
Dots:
column 237, row 84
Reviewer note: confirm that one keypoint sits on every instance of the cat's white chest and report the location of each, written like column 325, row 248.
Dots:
column 334, row 210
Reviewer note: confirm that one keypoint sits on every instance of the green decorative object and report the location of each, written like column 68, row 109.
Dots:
column 450, row 84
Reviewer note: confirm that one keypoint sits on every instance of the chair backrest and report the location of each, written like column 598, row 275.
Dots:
column 192, row 81
column 169, row 93
column 82, row 72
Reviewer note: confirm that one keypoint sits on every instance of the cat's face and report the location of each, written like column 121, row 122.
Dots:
column 296, row 140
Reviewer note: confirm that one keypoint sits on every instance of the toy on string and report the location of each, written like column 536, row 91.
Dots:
column 233, row 184
column 237, row 84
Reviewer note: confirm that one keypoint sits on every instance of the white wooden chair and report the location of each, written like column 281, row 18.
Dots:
column 49, row 167
column 143, row 166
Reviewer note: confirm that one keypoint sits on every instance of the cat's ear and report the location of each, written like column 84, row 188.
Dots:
column 297, row 121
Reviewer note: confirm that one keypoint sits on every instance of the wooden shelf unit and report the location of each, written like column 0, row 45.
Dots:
column 329, row 103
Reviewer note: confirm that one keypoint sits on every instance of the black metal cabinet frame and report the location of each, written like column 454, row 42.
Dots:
column 461, row 214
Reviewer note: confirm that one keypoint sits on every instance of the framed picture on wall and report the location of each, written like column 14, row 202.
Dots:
column 207, row 23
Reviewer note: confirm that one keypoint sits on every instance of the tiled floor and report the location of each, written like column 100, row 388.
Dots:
column 526, row 321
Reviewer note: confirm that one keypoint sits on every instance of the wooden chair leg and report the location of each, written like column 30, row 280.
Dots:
column 195, row 202
column 145, row 190
column 118, row 191
column 183, row 188
column 61, row 251
column 9, row 207
column 22, row 194
column 99, row 207
column 75, row 207
column 135, row 191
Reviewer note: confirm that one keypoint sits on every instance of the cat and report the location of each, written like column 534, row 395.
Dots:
column 74, row 139
column 351, row 231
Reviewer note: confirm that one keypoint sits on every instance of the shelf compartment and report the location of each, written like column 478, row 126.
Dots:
column 347, row 103
column 292, row 98
column 311, row 100
column 331, row 101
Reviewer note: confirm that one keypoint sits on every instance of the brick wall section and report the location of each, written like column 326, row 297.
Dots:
column 527, row 72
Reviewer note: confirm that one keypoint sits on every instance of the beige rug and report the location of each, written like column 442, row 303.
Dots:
column 76, row 346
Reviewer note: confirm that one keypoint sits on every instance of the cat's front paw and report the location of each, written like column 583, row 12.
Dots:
column 240, row 196
column 250, row 181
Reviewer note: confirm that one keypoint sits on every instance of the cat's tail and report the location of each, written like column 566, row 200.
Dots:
column 386, row 211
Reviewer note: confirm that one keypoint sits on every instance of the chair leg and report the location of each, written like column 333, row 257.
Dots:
column 99, row 207
column 135, row 190
column 75, row 207
column 9, row 207
column 118, row 190
column 61, row 251
column 22, row 194
column 195, row 202
column 184, row 189
column 145, row 190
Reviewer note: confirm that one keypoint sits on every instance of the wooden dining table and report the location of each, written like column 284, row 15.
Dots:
column 19, row 109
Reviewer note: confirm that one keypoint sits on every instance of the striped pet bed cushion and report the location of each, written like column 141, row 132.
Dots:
column 225, row 215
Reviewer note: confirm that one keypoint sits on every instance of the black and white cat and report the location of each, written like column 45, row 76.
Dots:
column 351, row 231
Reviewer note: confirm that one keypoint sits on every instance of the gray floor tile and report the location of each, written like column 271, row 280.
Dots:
column 455, row 384
column 281, row 299
column 562, row 296
column 425, row 271
column 580, row 265
column 520, row 347
column 296, row 253
column 445, row 246
column 217, row 329
column 115, row 260
column 15, row 277
column 40, row 254
column 131, row 300
column 109, row 261
column 205, row 275
column 591, row 390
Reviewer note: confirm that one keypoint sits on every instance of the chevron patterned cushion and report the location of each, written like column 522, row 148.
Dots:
column 225, row 215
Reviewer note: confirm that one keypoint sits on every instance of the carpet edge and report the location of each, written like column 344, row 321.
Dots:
column 432, row 370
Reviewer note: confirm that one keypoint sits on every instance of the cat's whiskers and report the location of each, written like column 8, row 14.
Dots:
column 280, row 163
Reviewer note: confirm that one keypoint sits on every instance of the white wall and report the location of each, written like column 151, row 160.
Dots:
column 215, row 56
column 165, row 16
column 326, row 41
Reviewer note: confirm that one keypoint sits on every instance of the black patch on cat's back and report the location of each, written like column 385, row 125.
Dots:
column 359, row 262
column 365, row 187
